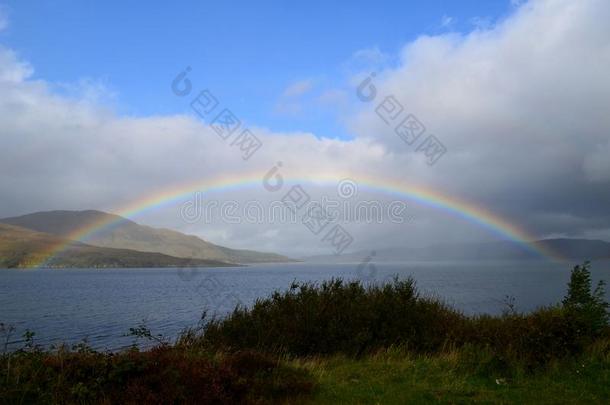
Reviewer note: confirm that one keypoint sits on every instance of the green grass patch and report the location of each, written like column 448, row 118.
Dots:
column 398, row 377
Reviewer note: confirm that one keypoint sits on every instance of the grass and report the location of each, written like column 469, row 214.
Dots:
column 397, row 376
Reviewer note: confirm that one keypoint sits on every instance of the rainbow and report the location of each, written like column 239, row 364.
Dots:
column 502, row 227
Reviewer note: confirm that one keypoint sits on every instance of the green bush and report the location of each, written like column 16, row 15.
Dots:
column 336, row 317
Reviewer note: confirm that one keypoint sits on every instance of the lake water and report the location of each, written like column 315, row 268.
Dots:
column 102, row 304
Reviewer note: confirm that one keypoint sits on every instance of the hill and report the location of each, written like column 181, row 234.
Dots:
column 22, row 248
column 126, row 234
column 571, row 249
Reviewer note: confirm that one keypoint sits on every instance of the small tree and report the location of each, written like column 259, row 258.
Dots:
column 589, row 306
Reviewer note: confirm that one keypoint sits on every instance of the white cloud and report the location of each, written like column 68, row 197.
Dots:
column 446, row 21
column 520, row 107
column 298, row 88
column 290, row 102
column 481, row 23
column 370, row 55
column 89, row 90
column 11, row 68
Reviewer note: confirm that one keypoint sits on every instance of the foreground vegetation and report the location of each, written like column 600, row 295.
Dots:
column 342, row 342
column 397, row 376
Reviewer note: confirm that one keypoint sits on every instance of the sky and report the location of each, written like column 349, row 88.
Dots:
column 516, row 92
column 249, row 53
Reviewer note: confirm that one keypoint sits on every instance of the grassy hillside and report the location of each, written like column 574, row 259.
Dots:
column 126, row 234
column 22, row 248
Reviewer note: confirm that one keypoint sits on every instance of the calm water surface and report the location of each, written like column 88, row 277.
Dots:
column 102, row 304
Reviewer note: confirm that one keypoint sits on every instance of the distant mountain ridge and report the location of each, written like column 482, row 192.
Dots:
column 123, row 233
column 571, row 249
column 25, row 248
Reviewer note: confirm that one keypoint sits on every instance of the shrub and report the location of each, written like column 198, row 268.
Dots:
column 333, row 317
column 530, row 340
column 158, row 376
